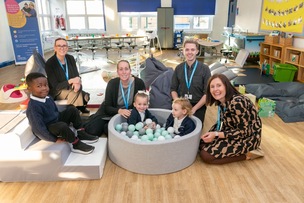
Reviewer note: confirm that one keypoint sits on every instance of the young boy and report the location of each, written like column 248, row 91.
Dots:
column 140, row 111
column 179, row 118
column 50, row 125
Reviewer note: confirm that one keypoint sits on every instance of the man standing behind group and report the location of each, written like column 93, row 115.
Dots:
column 190, row 79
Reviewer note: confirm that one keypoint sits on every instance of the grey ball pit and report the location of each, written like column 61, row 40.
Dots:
column 157, row 157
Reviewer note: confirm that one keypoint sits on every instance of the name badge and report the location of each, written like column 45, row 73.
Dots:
column 188, row 96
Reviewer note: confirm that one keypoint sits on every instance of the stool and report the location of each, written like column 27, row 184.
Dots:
column 93, row 49
column 119, row 45
column 226, row 53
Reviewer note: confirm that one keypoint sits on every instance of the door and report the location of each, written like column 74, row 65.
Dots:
column 165, row 27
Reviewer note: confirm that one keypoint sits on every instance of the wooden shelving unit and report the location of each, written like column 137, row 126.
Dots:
column 271, row 54
column 276, row 53
column 295, row 57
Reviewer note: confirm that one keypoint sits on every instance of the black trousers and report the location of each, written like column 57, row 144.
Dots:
column 200, row 113
column 61, row 129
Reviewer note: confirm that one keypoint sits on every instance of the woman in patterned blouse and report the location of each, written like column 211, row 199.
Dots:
column 237, row 133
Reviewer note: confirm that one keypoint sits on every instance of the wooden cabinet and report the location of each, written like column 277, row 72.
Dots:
column 276, row 53
column 295, row 57
column 271, row 54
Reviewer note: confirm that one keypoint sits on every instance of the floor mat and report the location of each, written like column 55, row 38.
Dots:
column 250, row 76
column 10, row 119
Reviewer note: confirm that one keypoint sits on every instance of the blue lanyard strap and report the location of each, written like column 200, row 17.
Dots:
column 126, row 101
column 218, row 125
column 65, row 70
column 188, row 83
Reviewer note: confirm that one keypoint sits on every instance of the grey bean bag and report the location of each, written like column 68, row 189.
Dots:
column 289, row 97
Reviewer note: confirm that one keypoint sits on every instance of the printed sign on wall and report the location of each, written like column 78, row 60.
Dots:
column 283, row 15
column 23, row 23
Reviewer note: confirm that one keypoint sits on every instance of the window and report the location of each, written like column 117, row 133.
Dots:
column 91, row 17
column 44, row 17
column 193, row 23
column 132, row 21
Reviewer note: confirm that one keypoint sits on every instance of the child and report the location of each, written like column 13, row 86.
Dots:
column 179, row 118
column 49, row 124
column 140, row 112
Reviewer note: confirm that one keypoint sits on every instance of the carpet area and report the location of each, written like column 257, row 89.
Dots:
column 250, row 76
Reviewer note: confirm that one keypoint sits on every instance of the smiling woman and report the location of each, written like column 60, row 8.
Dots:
column 63, row 77
column 237, row 133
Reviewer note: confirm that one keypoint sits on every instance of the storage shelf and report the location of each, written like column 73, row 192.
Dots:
column 276, row 53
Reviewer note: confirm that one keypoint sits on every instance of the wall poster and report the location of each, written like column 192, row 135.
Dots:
column 282, row 15
column 24, row 29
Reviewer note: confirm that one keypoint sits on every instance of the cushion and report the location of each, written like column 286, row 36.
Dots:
column 219, row 70
column 230, row 74
column 289, row 98
column 215, row 65
column 35, row 63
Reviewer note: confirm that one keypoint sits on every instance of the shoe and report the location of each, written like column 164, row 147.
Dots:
column 254, row 154
column 83, row 109
column 86, row 138
column 82, row 148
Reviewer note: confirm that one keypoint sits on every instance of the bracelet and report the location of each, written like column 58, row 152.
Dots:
column 216, row 134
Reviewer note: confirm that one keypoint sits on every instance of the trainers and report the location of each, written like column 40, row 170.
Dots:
column 82, row 148
column 257, row 153
column 85, row 137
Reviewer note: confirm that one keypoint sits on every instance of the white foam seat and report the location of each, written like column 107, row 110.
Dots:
column 23, row 157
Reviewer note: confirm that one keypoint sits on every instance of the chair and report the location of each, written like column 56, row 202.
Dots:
column 239, row 60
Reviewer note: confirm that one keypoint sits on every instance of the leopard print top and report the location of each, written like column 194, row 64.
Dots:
column 242, row 128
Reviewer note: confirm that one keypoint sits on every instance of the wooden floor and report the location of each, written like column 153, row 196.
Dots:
column 278, row 177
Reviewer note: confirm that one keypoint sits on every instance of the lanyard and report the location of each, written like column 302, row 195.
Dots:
column 219, row 123
column 126, row 101
column 66, row 70
column 188, row 83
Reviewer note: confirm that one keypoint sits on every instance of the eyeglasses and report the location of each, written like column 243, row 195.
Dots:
column 62, row 46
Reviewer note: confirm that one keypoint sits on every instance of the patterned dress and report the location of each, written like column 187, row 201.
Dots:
column 242, row 128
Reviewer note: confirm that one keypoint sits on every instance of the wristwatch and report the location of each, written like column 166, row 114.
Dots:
column 216, row 134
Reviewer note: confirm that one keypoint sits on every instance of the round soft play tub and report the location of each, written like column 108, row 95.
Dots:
column 157, row 157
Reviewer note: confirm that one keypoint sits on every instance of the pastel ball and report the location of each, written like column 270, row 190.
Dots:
column 158, row 131
column 142, row 131
column 131, row 127
column 124, row 128
column 129, row 134
column 118, row 127
column 177, row 136
column 164, row 133
column 139, row 125
column 150, row 136
column 148, row 121
column 157, row 126
column 124, row 124
column 136, row 133
column 123, row 133
column 161, row 138
column 170, row 130
column 144, row 138
column 156, row 134
column 134, row 137
column 149, row 131
column 168, row 137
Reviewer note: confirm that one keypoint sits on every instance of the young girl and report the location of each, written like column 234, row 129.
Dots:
column 140, row 112
column 179, row 118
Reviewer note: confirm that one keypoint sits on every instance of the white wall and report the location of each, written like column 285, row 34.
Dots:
column 248, row 18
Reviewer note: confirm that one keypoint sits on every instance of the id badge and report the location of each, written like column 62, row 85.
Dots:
column 188, row 96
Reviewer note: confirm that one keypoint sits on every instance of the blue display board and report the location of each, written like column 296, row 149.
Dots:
column 24, row 29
